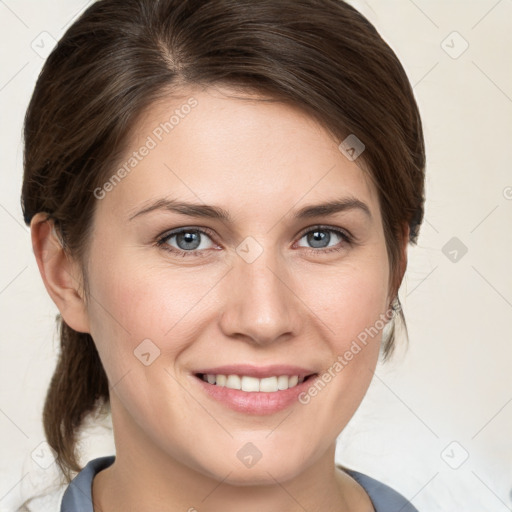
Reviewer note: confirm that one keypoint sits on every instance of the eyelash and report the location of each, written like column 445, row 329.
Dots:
column 162, row 241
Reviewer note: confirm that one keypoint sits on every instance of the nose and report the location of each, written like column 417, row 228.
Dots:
column 261, row 305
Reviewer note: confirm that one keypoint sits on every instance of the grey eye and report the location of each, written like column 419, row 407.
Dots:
column 320, row 238
column 187, row 240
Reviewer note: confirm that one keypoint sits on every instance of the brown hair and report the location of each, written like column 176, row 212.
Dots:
column 120, row 56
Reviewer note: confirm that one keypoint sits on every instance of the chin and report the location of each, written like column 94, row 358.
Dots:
column 262, row 472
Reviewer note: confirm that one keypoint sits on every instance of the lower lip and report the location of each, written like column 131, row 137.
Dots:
column 255, row 402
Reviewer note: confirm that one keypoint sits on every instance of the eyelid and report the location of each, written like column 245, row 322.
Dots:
column 346, row 232
column 177, row 231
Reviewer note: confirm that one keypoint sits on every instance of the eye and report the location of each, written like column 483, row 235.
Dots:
column 194, row 241
column 188, row 242
column 321, row 236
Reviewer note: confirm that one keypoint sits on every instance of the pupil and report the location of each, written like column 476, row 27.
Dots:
column 189, row 238
column 317, row 238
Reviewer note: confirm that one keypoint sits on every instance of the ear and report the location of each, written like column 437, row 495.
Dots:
column 61, row 274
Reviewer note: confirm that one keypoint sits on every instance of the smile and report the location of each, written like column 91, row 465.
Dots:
column 253, row 384
column 252, row 390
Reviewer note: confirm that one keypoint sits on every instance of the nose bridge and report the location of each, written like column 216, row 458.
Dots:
column 260, row 303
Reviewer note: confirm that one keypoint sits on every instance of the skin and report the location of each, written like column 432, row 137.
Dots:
column 176, row 448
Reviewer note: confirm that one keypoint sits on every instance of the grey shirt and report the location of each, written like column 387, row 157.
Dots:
column 78, row 495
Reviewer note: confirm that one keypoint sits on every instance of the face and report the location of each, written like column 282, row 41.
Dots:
column 272, row 288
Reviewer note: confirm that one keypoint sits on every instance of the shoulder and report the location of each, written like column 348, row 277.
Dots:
column 73, row 497
column 383, row 497
column 77, row 496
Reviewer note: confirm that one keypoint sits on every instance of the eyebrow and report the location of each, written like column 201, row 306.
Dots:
column 216, row 212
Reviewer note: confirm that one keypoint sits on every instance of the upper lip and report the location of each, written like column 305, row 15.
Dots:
column 257, row 371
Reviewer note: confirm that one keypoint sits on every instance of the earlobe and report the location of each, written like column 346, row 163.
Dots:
column 60, row 273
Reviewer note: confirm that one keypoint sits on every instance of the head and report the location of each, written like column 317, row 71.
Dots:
column 261, row 109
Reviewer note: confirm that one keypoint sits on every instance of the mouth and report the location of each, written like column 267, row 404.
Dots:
column 252, row 390
column 252, row 384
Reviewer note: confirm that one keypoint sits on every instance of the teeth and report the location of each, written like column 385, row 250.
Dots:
column 282, row 382
column 268, row 384
column 252, row 384
column 234, row 382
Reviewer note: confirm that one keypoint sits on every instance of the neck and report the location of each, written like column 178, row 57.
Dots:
column 145, row 478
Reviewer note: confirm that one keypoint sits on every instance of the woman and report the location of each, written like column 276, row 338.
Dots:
column 220, row 195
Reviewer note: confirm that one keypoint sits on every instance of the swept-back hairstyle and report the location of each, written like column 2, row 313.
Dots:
column 120, row 56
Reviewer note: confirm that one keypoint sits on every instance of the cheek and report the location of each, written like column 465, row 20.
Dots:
column 351, row 297
column 354, row 310
column 132, row 302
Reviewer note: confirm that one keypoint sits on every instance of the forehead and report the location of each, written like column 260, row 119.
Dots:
column 243, row 151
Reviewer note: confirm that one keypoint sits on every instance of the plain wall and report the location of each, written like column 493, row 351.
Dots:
column 436, row 423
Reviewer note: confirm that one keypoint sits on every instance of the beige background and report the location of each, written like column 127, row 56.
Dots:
column 437, row 421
